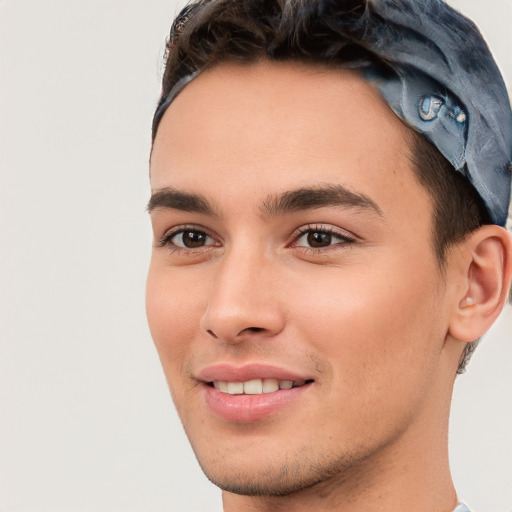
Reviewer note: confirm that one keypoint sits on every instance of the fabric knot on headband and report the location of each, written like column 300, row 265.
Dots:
column 430, row 106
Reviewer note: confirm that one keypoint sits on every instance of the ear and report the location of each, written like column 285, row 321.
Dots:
column 484, row 263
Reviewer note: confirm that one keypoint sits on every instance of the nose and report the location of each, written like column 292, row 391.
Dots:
column 243, row 301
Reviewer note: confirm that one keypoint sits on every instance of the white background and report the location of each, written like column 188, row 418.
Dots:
column 86, row 422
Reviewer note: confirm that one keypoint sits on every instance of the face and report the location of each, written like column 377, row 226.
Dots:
column 293, row 294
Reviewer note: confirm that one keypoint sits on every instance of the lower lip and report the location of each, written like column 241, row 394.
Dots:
column 248, row 408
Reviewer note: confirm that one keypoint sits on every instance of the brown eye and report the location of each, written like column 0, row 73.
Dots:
column 319, row 239
column 191, row 239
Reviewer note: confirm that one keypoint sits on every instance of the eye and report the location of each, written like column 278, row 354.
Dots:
column 191, row 239
column 187, row 238
column 320, row 237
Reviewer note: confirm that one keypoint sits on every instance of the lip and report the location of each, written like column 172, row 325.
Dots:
column 249, row 408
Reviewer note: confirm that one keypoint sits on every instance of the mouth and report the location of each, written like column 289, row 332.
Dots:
column 257, row 386
column 253, row 391
column 253, row 400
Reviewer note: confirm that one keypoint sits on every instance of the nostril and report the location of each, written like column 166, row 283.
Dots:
column 234, row 338
column 251, row 329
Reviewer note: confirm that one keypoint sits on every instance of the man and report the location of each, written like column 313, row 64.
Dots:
column 330, row 181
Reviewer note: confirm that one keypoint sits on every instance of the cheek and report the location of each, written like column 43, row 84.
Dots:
column 376, row 341
column 173, row 314
column 380, row 324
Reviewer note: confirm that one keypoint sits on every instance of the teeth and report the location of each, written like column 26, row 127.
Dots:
column 253, row 387
column 256, row 386
column 221, row 386
column 235, row 388
column 270, row 385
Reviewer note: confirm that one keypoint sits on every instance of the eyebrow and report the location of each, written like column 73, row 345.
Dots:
column 306, row 198
column 170, row 198
column 318, row 197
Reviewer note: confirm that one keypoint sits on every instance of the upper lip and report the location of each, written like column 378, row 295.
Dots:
column 226, row 372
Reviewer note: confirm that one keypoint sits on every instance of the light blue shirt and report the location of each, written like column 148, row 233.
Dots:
column 462, row 508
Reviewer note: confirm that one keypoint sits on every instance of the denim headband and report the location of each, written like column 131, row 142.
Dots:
column 440, row 78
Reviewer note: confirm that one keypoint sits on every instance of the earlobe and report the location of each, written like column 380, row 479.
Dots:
column 486, row 263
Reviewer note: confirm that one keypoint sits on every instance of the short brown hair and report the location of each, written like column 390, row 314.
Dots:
column 208, row 32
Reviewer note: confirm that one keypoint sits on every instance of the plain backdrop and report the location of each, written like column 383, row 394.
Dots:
column 86, row 421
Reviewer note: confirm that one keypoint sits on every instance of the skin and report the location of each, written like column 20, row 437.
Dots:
column 370, row 315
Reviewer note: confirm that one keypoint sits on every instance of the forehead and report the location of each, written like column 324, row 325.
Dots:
column 269, row 127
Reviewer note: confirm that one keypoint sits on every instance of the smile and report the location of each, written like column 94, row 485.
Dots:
column 252, row 400
column 256, row 386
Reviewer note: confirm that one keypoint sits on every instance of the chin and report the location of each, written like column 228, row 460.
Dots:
column 272, row 477
column 280, row 483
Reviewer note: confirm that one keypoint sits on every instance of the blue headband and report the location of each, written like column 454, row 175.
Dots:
column 441, row 80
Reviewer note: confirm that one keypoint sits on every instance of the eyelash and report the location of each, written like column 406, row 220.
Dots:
column 166, row 239
column 324, row 230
